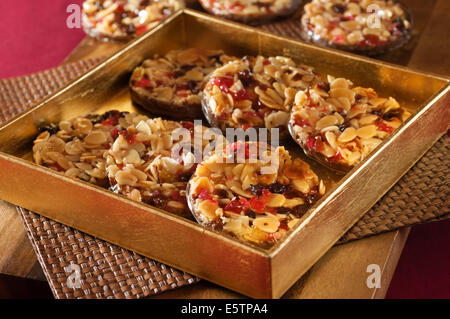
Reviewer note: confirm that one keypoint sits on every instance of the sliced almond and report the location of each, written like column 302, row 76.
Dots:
column 301, row 185
column 342, row 92
column 276, row 119
column 276, row 200
column 237, row 170
column 96, row 138
column 266, row 224
column 355, row 111
column 293, row 202
column 125, row 178
column 331, row 139
column 326, row 121
column 349, row 25
column 201, row 182
column 132, row 157
column 322, row 187
column 236, row 187
column 391, row 104
column 367, row 119
column 140, row 175
column 207, row 210
column 367, row 131
column 202, row 170
column 300, row 98
column 349, row 156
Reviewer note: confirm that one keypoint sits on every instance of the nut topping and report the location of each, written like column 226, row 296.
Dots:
column 256, row 201
column 255, row 92
column 344, row 124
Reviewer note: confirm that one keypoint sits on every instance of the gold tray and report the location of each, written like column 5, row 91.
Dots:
column 182, row 243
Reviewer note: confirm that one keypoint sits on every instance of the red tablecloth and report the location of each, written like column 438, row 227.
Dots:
column 35, row 37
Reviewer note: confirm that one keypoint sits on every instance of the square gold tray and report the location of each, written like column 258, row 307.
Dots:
column 182, row 243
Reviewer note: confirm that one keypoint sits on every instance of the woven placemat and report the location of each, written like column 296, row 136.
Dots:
column 108, row 271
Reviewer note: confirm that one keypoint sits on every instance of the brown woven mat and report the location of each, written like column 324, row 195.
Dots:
column 108, row 271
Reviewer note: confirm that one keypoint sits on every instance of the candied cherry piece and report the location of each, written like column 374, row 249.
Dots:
column 384, row 127
column 259, row 203
column 237, row 205
column 224, row 83
column 204, row 195
column 142, row 83
column 141, row 29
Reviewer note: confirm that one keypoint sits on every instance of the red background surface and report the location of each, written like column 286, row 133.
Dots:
column 35, row 37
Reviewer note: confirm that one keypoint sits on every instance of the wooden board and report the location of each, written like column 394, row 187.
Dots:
column 342, row 272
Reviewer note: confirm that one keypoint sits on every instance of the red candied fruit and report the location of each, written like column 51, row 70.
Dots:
column 301, row 122
column 238, row 146
column 142, row 83
column 187, row 125
column 311, row 142
column 273, row 236
column 109, row 122
column 130, row 138
column 120, row 9
column 224, row 116
column 384, row 127
column 259, row 203
column 237, row 7
column 338, row 39
column 371, row 40
column 115, row 133
column 240, row 95
column 250, row 114
column 315, row 143
column 284, row 224
column 204, row 195
column 266, row 62
column 237, row 205
column 223, row 83
column 175, row 194
column 140, row 29
column 181, row 87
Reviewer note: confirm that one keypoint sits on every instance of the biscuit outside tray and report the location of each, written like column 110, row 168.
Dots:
column 108, row 271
